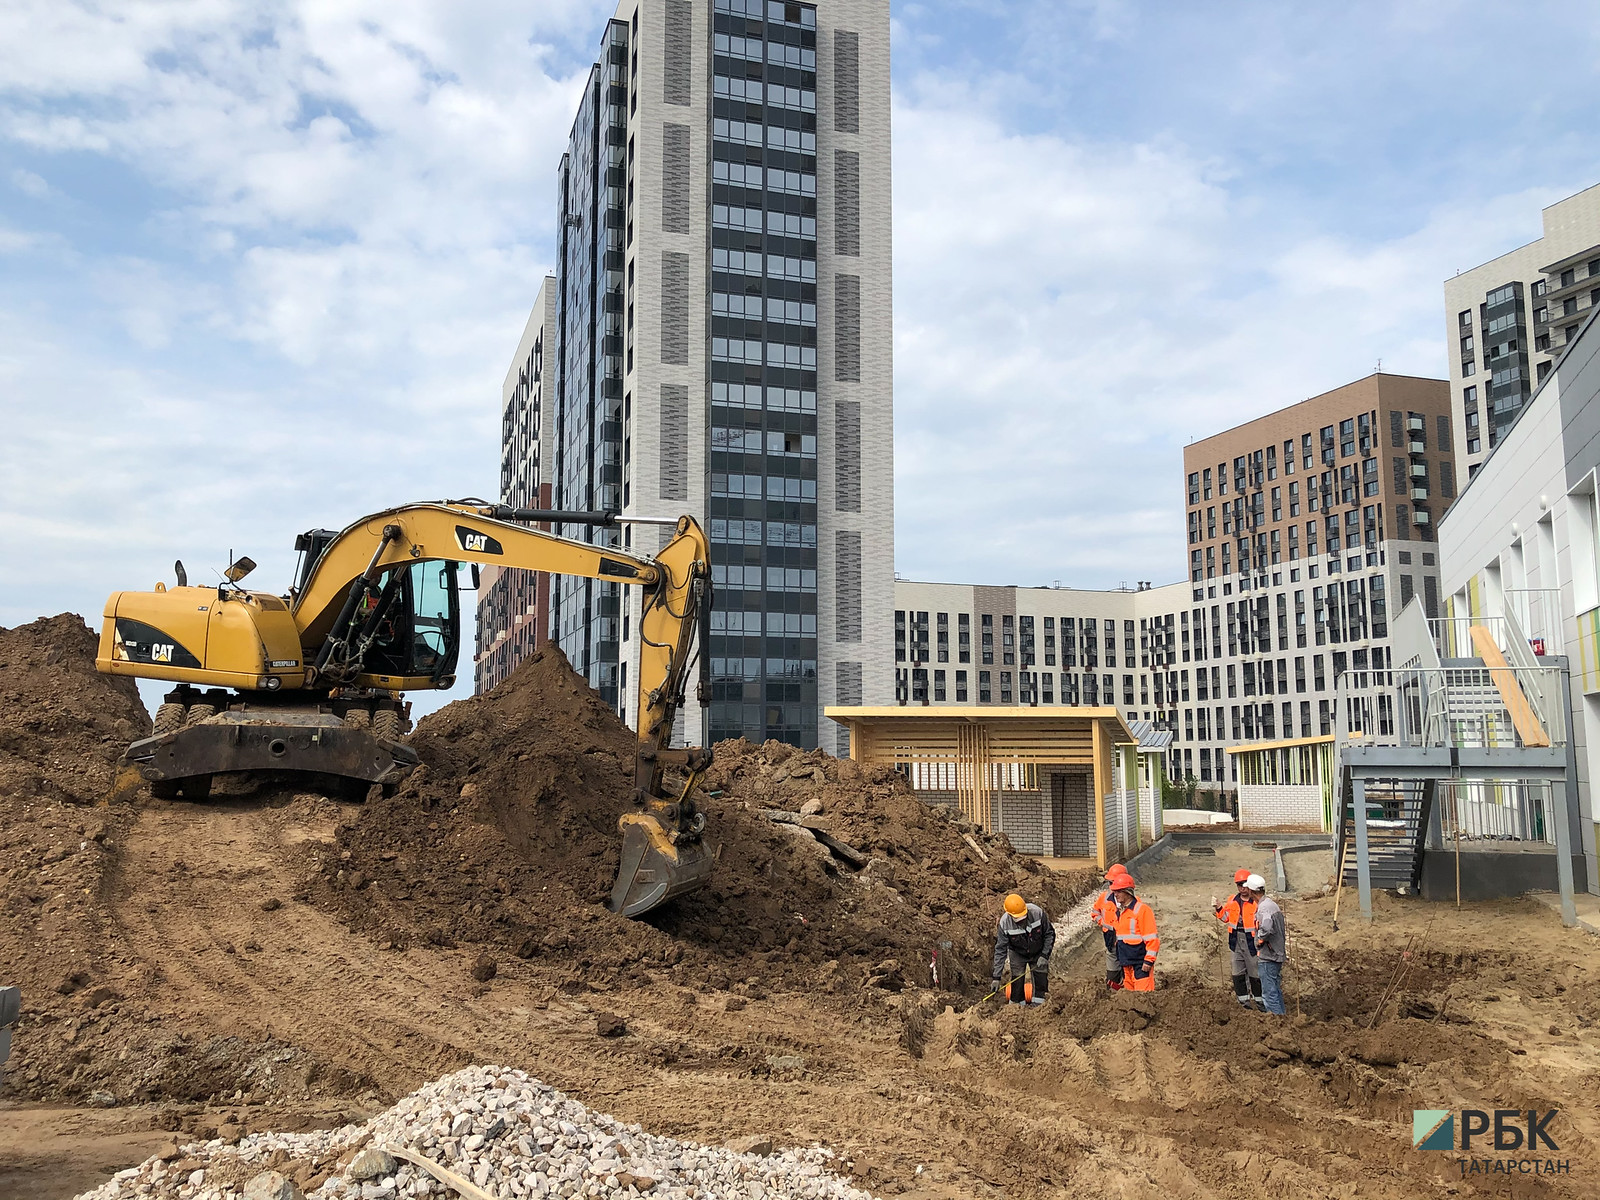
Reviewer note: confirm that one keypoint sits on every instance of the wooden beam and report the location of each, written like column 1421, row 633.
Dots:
column 1529, row 728
column 1099, row 778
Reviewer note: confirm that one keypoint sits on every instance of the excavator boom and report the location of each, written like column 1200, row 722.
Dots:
column 316, row 674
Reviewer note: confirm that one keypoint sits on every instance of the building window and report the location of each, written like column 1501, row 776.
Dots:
column 943, row 635
column 987, row 621
column 961, row 687
column 964, row 638
column 984, row 696
column 938, row 686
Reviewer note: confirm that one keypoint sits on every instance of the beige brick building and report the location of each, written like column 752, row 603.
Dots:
column 514, row 605
column 1510, row 320
column 1308, row 530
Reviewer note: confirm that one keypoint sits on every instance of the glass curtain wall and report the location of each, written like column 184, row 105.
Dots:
column 1505, row 355
column 763, row 371
column 585, row 613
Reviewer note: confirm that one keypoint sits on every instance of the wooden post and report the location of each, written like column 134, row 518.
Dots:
column 1097, row 743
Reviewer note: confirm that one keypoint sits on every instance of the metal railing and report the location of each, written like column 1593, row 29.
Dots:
column 1453, row 635
column 1453, row 707
column 1499, row 810
column 1537, row 612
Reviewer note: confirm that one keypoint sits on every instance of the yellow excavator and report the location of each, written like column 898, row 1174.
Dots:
column 312, row 680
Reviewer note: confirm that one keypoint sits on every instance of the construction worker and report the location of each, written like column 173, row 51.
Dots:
column 1137, row 942
column 1025, row 939
column 1238, row 913
column 1271, row 944
column 1103, row 914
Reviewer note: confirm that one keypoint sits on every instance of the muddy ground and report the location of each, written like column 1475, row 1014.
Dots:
column 194, row 966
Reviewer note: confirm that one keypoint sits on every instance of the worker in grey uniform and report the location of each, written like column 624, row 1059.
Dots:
column 1025, row 939
column 1271, row 945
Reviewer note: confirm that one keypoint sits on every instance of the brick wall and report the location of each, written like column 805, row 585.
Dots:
column 1150, row 814
column 1024, row 817
column 1279, row 804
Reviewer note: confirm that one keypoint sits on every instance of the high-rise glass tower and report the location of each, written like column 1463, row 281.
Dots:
column 724, row 330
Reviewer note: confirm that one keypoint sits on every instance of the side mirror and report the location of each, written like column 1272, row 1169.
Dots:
column 239, row 569
column 475, row 578
column 183, row 576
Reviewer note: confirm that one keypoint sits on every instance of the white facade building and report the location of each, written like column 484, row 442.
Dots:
column 1524, row 537
column 966, row 644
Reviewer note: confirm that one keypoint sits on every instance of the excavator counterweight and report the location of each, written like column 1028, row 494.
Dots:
column 312, row 681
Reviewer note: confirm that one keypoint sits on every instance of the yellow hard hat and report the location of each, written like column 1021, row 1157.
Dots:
column 1016, row 906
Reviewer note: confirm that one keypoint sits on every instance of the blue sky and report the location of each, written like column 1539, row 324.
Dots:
column 262, row 265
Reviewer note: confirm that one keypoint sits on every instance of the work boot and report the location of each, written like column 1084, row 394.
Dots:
column 1241, row 992
column 1255, row 994
column 1114, row 979
column 1041, row 989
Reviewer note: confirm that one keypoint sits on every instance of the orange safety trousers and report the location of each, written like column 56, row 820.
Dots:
column 1137, row 946
column 1131, row 983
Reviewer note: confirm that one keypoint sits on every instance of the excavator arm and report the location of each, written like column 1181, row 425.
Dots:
column 354, row 585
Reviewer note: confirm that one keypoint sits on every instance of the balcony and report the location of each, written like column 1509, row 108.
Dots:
column 1477, row 708
column 1418, row 446
column 1420, row 517
column 1419, row 493
column 1419, row 470
column 1416, row 425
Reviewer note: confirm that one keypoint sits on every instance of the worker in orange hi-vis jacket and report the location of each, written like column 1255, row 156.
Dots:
column 1137, row 941
column 1103, row 914
column 1238, row 913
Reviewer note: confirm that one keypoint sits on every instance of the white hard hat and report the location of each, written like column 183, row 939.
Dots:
column 1256, row 884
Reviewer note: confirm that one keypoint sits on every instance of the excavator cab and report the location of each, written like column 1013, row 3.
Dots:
column 418, row 630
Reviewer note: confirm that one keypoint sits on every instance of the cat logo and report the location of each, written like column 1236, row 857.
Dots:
column 161, row 653
column 474, row 542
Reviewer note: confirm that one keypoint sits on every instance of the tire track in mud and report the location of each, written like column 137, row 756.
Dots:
column 187, row 901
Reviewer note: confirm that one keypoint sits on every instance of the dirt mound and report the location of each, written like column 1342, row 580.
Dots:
column 62, row 725
column 507, row 836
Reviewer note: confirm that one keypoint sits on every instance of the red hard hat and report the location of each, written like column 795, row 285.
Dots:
column 1122, row 880
column 1116, row 869
column 1241, row 874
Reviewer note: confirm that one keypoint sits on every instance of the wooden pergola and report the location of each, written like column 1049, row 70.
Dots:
column 981, row 752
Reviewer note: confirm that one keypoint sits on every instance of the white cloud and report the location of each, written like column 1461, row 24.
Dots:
column 1070, row 313
column 29, row 184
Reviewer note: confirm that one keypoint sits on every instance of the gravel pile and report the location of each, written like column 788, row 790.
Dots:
column 497, row 1129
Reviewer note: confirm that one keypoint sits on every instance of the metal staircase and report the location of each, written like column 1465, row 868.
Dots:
column 1468, row 705
column 1398, row 813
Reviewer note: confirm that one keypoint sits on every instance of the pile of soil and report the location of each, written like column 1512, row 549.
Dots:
column 507, row 837
column 62, row 728
column 62, row 725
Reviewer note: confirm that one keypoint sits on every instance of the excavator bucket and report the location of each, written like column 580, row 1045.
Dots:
column 654, row 869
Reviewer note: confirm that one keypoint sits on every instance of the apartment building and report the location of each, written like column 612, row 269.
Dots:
column 1308, row 529
column 1510, row 320
column 970, row 644
column 513, row 614
column 723, row 324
